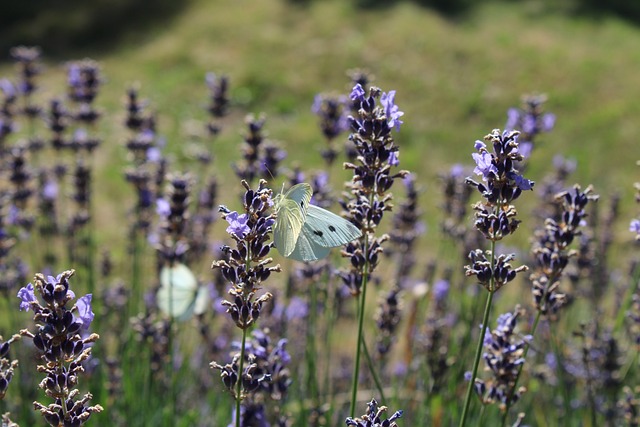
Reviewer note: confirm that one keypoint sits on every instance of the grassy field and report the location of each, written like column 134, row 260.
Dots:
column 455, row 79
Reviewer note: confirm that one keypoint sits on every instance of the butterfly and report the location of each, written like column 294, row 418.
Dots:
column 305, row 232
column 179, row 295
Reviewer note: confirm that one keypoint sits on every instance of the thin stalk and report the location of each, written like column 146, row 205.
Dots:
column 360, row 303
column 485, row 321
column 526, row 351
column 239, row 385
column 239, row 396
column 626, row 303
column 374, row 374
column 310, row 349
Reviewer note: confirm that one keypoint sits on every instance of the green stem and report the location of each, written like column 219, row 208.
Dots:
column 360, row 310
column 310, row 349
column 374, row 374
column 622, row 312
column 240, row 374
column 485, row 321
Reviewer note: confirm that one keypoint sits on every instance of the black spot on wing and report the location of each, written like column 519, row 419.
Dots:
column 332, row 228
column 317, row 233
column 302, row 204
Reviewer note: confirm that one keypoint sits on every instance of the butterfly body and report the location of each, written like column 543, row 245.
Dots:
column 305, row 232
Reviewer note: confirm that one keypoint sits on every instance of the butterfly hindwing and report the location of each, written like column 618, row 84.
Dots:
column 291, row 212
column 328, row 229
column 179, row 295
column 306, row 249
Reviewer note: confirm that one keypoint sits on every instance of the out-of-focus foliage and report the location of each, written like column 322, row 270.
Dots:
column 57, row 25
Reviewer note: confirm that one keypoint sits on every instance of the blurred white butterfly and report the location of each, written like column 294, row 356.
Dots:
column 305, row 232
column 179, row 295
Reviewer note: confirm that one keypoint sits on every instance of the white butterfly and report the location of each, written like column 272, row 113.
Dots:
column 305, row 232
column 179, row 295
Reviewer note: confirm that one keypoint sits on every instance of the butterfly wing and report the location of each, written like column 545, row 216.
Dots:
column 291, row 210
column 306, row 249
column 328, row 229
column 178, row 291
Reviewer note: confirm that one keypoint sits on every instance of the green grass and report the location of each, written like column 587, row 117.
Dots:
column 455, row 79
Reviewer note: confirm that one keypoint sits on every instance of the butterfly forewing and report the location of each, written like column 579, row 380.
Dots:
column 291, row 212
column 328, row 229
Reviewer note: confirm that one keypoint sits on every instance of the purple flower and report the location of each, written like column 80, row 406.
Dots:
column 27, row 295
column 163, row 208
column 85, row 315
column 237, row 224
column 297, row 309
column 391, row 110
column 316, row 107
column 548, row 122
column 484, row 165
column 441, row 290
column 525, row 148
column 522, row 182
column 357, row 94
column 7, row 88
column 393, row 158
column 457, row 170
column 634, row 227
column 50, row 190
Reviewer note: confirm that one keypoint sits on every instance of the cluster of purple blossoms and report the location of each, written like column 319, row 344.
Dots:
column 218, row 100
column 64, row 343
column 406, row 227
column 247, row 264
column 174, row 218
column 83, row 81
column 530, row 120
column 333, row 112
column 7, row 366
column 387, row 319
column 261, row 156
column 503, row 183
column 373, row 417
column 492, row 276
column 596, row 363
column 551, row 249
column 433, row 337
column 148, row 170
column 503, row 356
column 495, row 216
column 629, row 405
column 377, row 154
column 27, row 59
column 266, row 378
column 7, row 109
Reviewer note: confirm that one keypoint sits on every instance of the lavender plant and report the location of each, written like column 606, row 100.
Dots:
column 332, row 112
column 7, row 366
column 245, row 270
column 374, row 417
column 64, row 343
column 495, row 218
column 503, row 356
column 371, row 135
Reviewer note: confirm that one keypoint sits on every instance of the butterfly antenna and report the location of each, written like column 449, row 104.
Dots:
column 273, row 178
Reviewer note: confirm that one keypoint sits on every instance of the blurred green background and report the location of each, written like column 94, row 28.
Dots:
column 457, row 67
